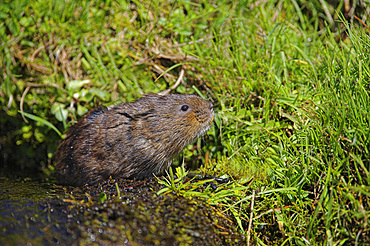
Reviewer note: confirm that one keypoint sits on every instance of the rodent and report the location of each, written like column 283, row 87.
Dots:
column 131, row 140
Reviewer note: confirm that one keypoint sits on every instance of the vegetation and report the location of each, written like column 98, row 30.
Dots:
column 290, row 81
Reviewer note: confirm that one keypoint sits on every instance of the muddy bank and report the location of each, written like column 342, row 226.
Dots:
column 68, row 215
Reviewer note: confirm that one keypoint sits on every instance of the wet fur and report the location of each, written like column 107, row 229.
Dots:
column 131, row 140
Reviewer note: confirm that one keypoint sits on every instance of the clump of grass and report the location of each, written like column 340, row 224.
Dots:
column 301, row 135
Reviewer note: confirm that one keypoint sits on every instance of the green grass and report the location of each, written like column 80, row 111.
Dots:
column 290, row 83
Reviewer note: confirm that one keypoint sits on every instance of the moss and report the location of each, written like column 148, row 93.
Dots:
column 52, row 214
column 141, row 217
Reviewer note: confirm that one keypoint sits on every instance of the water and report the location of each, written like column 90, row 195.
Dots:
column 31, row 213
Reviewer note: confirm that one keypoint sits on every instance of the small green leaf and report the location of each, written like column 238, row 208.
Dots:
column 81, row 110
column 99, row 93
column 183, row 32
column 102, row 197
column 76, row 84
column 59, row 111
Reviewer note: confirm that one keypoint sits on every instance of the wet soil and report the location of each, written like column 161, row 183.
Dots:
column 42, row 213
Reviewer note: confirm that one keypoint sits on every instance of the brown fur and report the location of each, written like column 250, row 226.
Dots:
column 131, row 140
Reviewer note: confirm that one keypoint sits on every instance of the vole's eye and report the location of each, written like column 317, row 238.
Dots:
column 184, row 107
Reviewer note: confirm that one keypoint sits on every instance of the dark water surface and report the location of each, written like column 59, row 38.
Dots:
column 31, row 212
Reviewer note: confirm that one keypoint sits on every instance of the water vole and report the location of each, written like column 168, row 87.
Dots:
column 131, row 140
